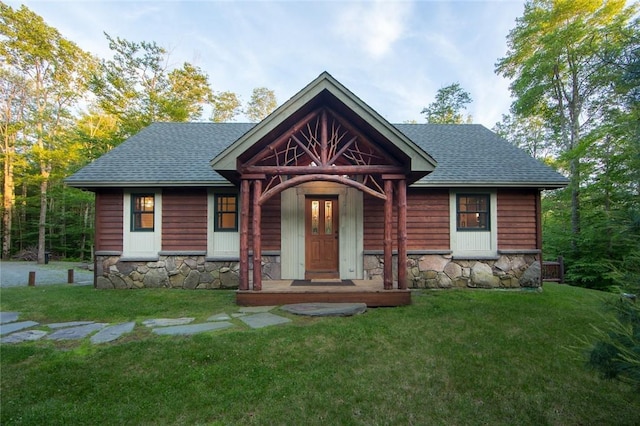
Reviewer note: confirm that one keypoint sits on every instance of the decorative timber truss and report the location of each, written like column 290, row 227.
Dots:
column 322, row 146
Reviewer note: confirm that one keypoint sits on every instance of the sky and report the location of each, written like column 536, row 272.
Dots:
column 394, row 55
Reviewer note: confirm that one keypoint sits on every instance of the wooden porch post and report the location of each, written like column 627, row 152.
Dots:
column 388, row 242
column 244, row 234
column 257, row 242
column 402, row 234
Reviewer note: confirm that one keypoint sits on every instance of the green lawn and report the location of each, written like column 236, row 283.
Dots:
column 451, row 358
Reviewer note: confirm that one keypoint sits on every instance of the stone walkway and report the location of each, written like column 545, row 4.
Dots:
column 14, row 331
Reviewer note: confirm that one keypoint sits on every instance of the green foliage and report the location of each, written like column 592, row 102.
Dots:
column 137, row 87
column 263, row 102
column 569, row 62
column 448, row 106
column 616, row 353
column 226, row 106
column 54, row 72
column 527, row 133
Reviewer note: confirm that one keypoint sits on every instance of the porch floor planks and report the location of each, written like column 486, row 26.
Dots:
column 280, row 292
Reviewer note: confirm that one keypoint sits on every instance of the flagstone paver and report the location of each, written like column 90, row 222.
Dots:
column 254, row 317
column 165, row 322
column 6, row 317
column 325, row 309
column 57, row 325
column 16, row 326
column 76, row 333
column 219, row 317
column 255, row 309
column 112, row 333
column 24, row 336
column 263, row 319
column 192, row 328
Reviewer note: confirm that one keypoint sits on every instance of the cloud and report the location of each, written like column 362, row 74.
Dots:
column 374, row 27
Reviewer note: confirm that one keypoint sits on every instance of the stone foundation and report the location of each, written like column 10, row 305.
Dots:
column 187, row 272
column 445, row 271
column 423, row 271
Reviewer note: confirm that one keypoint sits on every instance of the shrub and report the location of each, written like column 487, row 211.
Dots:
column 616, row 354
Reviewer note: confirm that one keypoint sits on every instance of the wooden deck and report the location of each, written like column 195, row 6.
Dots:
column 281, row 292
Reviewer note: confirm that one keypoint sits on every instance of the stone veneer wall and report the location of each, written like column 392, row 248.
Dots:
column 173, row 271
column 445, row 271
column 424, row 271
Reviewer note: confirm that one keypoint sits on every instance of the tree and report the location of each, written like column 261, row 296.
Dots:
column 137, row 86
column 13, row 104
column 262, row 103
column 555, row 61
column 527, row 133
column 226, row 106
column 448, row 106
column 56, row 71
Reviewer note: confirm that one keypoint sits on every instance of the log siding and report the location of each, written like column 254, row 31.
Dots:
column 109, row 220
column 184, row 220
column 517, row 222
column 427, row 221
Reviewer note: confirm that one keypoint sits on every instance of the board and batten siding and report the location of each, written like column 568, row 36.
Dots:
column 109, row 220
column 518, row 221
column 292, row 215
column 427, row 221
column 184, row 220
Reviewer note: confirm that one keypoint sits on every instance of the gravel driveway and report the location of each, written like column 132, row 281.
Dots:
column 15, row 274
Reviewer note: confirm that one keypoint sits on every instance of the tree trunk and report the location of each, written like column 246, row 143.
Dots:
column 42, row 222
column 8, row 201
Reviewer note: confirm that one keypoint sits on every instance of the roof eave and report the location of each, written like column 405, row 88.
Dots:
column 491, row 184
column 156, row 184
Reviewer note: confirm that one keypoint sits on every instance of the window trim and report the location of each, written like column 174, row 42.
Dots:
column 134, row 213
column 487, row 212
column 472, row 243
column 217, row 214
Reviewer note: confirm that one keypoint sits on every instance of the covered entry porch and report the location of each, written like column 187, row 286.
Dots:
column 323, row 135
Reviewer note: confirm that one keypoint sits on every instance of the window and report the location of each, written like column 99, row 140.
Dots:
column 142, row 212
column 226, row 212
column 472, row 212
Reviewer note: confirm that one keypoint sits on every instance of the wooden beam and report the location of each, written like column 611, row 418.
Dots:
column 327, row 178
column 306, row 149
column 326, row 170
column 259, row 176
column 397, row 176
column 347, row 125
column 388, row 228
column 402, row 234
column 323, row 138
column 244, row 235
column 342, row 150
column 257, row 236
column 283, row 138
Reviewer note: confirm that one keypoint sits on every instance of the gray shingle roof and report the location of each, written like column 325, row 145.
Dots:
column 163, row 154
column 178, row 154
column 472, row 155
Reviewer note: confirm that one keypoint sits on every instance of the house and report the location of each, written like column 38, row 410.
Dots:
column 327, row 191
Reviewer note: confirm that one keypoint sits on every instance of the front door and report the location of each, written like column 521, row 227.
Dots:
column 321, row 237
